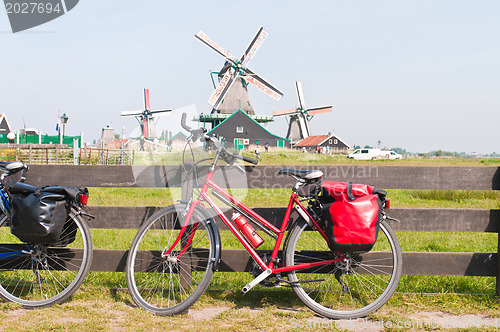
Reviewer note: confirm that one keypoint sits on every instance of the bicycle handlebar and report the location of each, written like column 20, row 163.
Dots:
column 201, row 131
column 183, row 122
column 231, row 154
column 250, row 160
column 195, row 133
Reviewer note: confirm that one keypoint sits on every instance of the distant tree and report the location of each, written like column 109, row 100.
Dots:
column 439, row 153
column 368, row 147
column 399, row 150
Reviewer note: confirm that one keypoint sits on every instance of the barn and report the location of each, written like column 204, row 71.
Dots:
column 331, row 143
column 239, row 131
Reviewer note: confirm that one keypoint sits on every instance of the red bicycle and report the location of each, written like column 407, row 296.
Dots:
column 176, row 251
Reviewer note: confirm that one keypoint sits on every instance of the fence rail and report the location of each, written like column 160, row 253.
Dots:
column 61, row 154
column 387, row 177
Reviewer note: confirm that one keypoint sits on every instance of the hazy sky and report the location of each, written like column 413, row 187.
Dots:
column 422, row 75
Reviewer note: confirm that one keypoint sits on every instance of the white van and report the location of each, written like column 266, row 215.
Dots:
column 391, row 155
column 365, row 154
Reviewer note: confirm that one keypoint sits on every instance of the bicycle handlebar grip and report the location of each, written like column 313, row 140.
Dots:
column 250, row 160
column 183, row 122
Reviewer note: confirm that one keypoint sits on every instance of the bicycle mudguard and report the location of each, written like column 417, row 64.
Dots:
column 215, row 234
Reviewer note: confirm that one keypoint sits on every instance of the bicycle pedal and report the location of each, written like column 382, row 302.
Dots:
column 256, row 281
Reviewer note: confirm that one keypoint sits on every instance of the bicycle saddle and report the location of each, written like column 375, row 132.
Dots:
column 13, row 166
column 303, row 174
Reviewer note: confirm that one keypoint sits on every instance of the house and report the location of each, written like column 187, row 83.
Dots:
column 4, row 125
column 178, row 141
column 240, row 130
column 179, row 137
column 29, row 132
column 117, row 143
column 331, row 143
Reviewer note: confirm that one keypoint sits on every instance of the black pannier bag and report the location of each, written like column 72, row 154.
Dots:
column 352, row 220
column 42, row 216
column 39, row 217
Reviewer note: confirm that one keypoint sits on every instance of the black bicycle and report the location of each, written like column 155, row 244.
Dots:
column 36, row 272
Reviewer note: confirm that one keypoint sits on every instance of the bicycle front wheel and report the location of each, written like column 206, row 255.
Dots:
column 352, row 288
column 39, row 275
column 169, row 283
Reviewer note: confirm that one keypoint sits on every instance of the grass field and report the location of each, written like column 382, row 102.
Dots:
column 294, row 157
column 103, row 303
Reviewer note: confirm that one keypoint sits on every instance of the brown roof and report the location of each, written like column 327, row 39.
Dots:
column 117, row 143
column 312, row 140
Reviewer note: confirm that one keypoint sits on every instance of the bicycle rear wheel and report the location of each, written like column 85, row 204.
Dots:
column 349, row 289
column 40, row 275
column 170, row 284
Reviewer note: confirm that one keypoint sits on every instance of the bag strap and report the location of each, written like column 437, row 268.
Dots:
column 350, row 195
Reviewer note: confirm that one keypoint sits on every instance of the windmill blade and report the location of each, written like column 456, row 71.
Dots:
column 223, row 87
column 132, row 113
column 146, row 99
column 254, row 46
column 160, row 111
column 319, row 110
column 210, row 43
column 287, row 112
column 262, row 84
column 300, row 94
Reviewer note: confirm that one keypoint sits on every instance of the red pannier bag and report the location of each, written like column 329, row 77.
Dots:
column 352, row 220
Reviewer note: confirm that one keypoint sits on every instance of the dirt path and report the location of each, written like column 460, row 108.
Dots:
column 420, row 321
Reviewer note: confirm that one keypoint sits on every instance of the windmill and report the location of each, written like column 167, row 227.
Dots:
column 231, row 93
column 298, row 126
column 146, row 117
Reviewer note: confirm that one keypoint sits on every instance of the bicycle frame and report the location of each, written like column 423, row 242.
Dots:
column 204, row 197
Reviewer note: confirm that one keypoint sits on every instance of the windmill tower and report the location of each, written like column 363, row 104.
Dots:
column 231, row 93
column 298, row 125
column 146, row 117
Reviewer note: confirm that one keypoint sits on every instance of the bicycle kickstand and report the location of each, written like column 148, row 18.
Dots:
column 261, row 277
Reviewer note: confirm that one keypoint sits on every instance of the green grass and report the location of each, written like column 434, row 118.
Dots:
column 400, row 198
column 285, row 156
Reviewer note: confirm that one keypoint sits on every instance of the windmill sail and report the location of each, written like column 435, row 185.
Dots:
column 231, row 94
column 145, row 117
column 298, row 125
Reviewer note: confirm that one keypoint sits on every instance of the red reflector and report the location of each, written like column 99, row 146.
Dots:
column 387, row 203
column 84, row 199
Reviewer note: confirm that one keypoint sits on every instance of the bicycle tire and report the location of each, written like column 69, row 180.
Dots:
column 370, row 278
column 169, row 286
column 45, row 274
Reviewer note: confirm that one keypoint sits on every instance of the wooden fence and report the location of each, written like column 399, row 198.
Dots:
column 61, row 154
column 387, row 177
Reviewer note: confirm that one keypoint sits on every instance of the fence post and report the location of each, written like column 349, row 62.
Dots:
column 122, row 154
column 30, row 154
column 497, row 277
column 76, row 152
column 101, row 161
